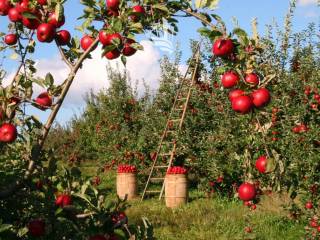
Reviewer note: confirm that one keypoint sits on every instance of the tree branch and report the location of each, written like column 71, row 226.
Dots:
column 64, row 57
column 10, row 189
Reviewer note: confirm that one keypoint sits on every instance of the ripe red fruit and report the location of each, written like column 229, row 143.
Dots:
column 230, row 79
column 5, row 6
column 247, row 192
column 113, row 4
column 23, row 6
column 44, row 100
column 242, row 104
column 115, row 53
column 8, row 133
column 63, row 37
column 252, row 79
column 53, row 19
column 313, row 223
column 261, row 164
column 67, row 200
column 222, row 47
column 247, row 203
column 235, row 93
column 30, row 23
column 113, row 13
column 11, row 39
column 86, row 42
column 127, row 49
column 108, row 39
column 37, row 228
column 253, row 207
column 63, row 200
column 137, row 9
column 248, row 229
column 309, row 205
column 98, row 237
column 46, row 32
column 42, row 2
column 14, row 15
column 318, row 229
column 261, row 97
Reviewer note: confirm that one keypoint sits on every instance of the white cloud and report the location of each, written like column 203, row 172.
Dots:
column 306, row 2
column 93, row 75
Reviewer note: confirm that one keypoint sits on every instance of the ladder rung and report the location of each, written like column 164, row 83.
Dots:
column 160, row 166
column 175, row 120
column 180, row 99
column 153, row 191
column 156, row 179
column 166, row 154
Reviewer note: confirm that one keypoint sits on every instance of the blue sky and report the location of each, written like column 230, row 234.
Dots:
column 243, row 10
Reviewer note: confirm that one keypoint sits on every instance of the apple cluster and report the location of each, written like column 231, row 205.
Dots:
column 127, row 169
column 63, row 200
column 114, row 44
column 241, row 101
column 300, row 128
column 177, row 170
column 35, row 16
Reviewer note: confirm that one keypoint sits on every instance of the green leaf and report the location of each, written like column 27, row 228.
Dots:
column 49, row 80
column 271, row 165
column 161, row 8
column 5, row 227
column 211, row 4
column 59, row 11
column 29, row 15
column 124, row 60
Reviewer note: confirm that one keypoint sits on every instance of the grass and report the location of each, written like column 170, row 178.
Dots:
column 209, row 219
column 215, row 219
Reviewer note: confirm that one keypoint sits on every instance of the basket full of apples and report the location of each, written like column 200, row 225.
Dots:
column 127, row 181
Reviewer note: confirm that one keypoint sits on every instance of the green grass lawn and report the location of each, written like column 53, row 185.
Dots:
column 210, row 218
column 213, row 219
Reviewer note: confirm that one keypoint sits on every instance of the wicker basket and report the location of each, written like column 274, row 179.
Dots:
column 176, row 190
column 127, row 185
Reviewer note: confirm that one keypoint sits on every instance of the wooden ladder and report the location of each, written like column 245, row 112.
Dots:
column 167, row 147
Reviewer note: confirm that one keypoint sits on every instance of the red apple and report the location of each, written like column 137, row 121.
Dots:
column 46, row 32
column 247, row 192
column 261, row 164
column 5, row 6
column 107, row 39
column 261, row 97
column 230, row 79
column 115, row 53
column 98, row 237
column 242, row 104
column 42, row 2
column 11, row 39
column 23, row 6
column 8, row 133
column 222, row 47
column 113, row 13
column 14, row 15
column 86, row 42
column 53, row 19
column 140, row 12
column 37, row 228
column 63, row 200
column 309, row 205
column 31, row 23
column 113, row 4
column 63, row 37
column 44, row 100
column 252, row 79
column 235, row 93
column 127, row 49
